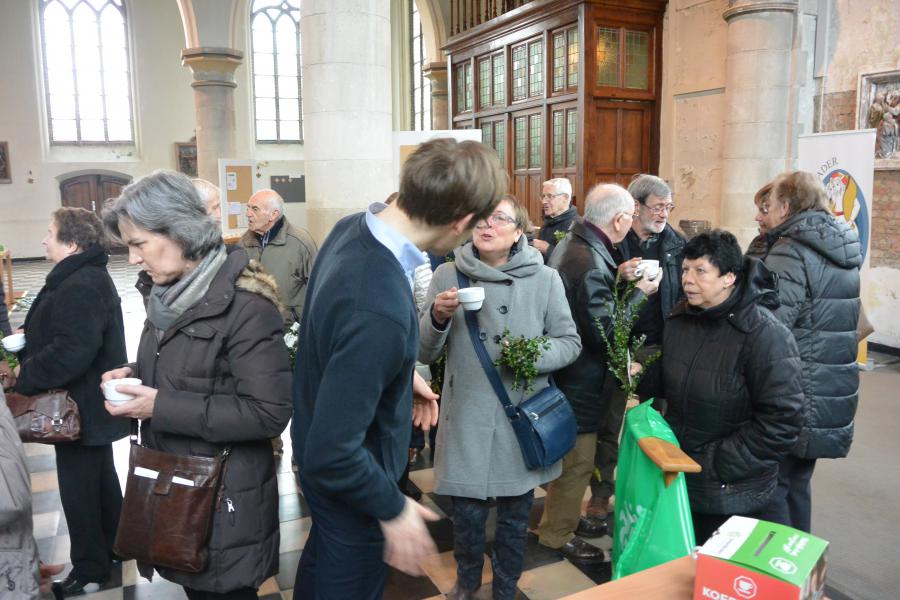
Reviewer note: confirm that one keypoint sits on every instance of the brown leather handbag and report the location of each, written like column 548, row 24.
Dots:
column 46, row 418
column 167, row 513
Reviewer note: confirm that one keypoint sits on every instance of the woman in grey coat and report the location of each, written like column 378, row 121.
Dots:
column 478, row 455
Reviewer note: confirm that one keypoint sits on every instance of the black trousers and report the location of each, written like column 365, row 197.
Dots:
column 795, row 491
column 92, row 501
column 705, row 524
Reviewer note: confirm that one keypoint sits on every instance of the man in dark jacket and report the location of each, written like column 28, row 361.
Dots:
column 651, row 237
column 559, row 214
column 585, row 264
column 353, row 390
column 731, row 373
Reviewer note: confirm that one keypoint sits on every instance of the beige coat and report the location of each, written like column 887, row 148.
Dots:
column 288, row 259
column 18, row 552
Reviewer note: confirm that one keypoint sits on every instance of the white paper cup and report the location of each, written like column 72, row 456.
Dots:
column 14, row 342
column 650, row 268
column 114, row 397
column 471, row 298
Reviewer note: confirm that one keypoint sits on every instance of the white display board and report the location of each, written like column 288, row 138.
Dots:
column 844, row 161
column 406, row 142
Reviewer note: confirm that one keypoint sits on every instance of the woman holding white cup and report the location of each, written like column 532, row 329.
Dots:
column 478, row 455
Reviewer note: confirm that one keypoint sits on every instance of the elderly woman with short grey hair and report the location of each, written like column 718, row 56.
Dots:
column 478, row 455
column 214, row 372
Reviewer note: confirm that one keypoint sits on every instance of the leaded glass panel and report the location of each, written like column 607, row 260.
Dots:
column 536, row 68
column 535, row 139
column 520, row 72
column 637, row 58
column 607, row 57
column 520, row 135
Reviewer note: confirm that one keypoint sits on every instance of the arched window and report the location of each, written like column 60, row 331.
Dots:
column 86, row 72
column 275, row 39
column 421, row 85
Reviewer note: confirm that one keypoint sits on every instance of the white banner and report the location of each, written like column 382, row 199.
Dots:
column 844, row 161
column 406, row 142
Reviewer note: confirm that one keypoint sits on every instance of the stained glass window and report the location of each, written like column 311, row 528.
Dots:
column 572, row 45
column 536, row 68
column 485, row 82
column 277, row 83
column 558, row 125
column 535, row 125
column 559, row 61
column 637, row 57
column 571, row 136
column 86, row 71
column 519, row 72
column 607, row 57
column 521, row 140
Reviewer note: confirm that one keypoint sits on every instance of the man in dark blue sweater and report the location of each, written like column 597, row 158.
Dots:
column 353, row 384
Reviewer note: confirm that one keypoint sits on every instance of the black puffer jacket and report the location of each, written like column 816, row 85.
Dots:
column 74, row 334
column 817, row 259
column 732, row 380
column 588, row 273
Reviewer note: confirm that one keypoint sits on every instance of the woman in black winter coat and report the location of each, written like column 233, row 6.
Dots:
column 74, row 333
column 817, row 258
column 731, row 373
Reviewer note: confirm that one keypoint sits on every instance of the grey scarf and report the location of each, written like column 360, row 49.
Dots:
column 168, row 302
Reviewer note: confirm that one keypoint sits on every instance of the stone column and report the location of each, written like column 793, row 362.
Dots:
column 213, row 85
column 440, row 107
column 760, row 106
column 346, row 108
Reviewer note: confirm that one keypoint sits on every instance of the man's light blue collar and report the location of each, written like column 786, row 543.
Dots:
column 403, row 250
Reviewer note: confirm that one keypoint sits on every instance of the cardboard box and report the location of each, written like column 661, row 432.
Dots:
column 750, row 559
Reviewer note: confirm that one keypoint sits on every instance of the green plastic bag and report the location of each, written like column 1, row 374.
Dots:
column 652, row 522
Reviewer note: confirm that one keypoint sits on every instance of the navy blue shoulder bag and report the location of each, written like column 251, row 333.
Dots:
column 544, row 424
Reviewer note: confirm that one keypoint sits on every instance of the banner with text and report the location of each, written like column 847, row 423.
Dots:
column 844, row 161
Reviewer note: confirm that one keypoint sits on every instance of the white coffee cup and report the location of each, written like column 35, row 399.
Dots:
column 471, row 297
column 650, row 268
column 14, row 342
column 115, row 397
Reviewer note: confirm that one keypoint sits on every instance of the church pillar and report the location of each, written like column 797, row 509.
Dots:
column 760, row 106
column 346, row 108
column 213, row 84
column 440, row 108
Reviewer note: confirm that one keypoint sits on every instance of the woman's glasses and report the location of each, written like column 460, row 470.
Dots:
column 495, row 220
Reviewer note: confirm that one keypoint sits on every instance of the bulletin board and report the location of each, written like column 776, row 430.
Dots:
column 237, row 184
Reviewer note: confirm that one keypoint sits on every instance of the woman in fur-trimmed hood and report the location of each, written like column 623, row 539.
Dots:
column 214, row 369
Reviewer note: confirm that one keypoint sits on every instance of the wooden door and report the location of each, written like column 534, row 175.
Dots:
column 91, row 191
column 618, row 147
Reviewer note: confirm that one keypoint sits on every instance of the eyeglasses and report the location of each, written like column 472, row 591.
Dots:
column 496, row 219
column 551, row 196
column 660, row 208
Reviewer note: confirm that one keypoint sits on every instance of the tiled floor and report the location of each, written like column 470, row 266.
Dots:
column 546, row 576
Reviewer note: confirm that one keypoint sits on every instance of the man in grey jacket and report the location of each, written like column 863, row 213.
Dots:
column 286, row 252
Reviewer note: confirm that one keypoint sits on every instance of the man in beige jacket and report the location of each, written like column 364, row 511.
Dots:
column 286, row 252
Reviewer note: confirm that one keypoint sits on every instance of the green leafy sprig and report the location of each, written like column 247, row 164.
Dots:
column 621, row 346
column 520, row 355
column 559, row 235
column 8, row 357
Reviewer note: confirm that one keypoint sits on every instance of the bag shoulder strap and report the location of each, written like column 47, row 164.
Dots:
column 486, row 363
